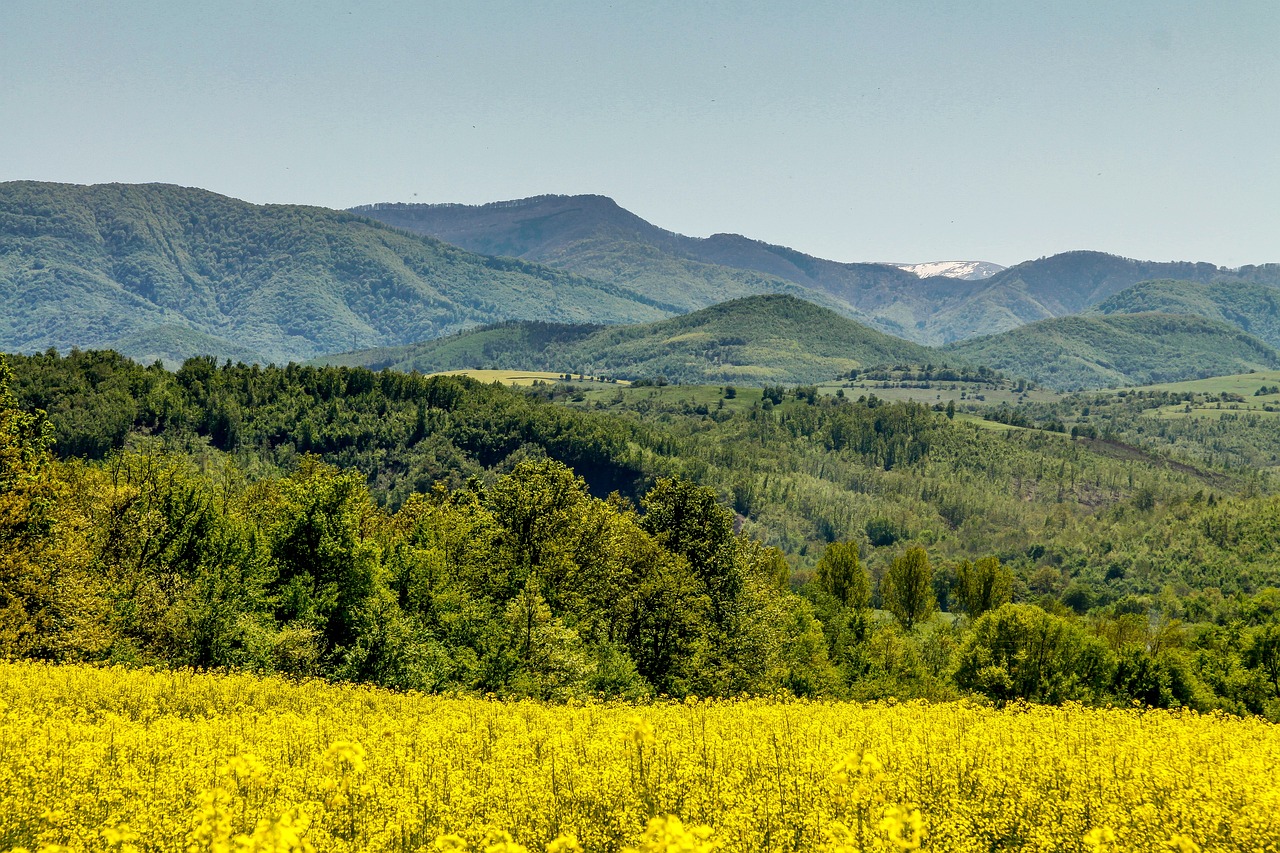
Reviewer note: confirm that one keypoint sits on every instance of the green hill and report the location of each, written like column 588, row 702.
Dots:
column 1128, row 349
column 164, row 271
column 1254, row 308
column 756, row 340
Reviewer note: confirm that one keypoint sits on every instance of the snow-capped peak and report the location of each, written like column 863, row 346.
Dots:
column 969, row 270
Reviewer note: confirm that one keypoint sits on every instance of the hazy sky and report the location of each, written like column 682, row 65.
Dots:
column 895, row 130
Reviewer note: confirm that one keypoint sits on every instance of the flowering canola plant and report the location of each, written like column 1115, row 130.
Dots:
column 95, row 759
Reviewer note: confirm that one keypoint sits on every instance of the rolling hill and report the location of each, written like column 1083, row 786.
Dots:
column 159, row 271
column 1125, row 349
column 1254, row 308
column 754, row 340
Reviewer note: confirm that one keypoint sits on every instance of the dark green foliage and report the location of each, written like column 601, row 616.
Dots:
column 1253, row 308
column 1021, row 652
column 456, row 550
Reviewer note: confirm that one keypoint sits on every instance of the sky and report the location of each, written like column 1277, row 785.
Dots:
column 902, row 130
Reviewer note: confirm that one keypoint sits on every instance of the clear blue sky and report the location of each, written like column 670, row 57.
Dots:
column 897, row 130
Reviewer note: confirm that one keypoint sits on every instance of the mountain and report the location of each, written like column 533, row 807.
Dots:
column 1254, row 308
column 592, row 235
column 159, row 271
column 968, row 270
column 1125, row 349
column 754, row 340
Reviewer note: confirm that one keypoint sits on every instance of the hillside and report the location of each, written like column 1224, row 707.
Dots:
column 759, row 339
column 593, row 236
column 1254, row 308
column 1130, row 349
column 167, row 272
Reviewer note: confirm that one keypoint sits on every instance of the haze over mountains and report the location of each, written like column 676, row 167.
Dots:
column 159, row 271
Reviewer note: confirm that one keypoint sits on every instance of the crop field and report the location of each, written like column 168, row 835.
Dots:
column 528, row 377
column 116, row 760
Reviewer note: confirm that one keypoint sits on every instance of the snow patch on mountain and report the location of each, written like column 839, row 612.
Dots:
column 968, row 270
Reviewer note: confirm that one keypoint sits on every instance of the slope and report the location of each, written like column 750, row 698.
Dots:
column 166, row 271
column 593, row 236
column 755, row 340
column 1130, row 349
column 1254, row 308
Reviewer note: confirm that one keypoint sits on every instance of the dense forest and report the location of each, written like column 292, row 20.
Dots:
column 436, row 533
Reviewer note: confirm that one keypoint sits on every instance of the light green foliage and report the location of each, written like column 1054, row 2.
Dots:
column 840, row 573
column 907, row 588
column 983, row 585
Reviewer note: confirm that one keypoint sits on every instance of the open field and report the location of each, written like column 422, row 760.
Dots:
column 528, row 377
column 1244, row 384
column 108, row 759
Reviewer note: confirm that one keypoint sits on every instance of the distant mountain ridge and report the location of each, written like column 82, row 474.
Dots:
column 160, row 271
column 593, row 236
column 1251, row 307
column 755, row 340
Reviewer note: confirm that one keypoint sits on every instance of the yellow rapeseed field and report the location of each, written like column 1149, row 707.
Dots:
column 116, row 760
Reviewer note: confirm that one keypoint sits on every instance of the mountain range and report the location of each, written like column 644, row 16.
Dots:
column 164, row 272
column 158, row 271
column 592, row 236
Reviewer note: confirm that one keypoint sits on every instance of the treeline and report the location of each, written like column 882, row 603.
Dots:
column 405, row 432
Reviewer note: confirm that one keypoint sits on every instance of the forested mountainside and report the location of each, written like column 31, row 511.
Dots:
column 756, row 340
column 168, row 272
column 1120, row 349
column 1253, row 308
column 593, row 236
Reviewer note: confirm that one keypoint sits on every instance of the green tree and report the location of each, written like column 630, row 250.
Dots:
column 907, row 588
column 1021, row 652
column 840, row 573
column 982, row 586
column 688, row 520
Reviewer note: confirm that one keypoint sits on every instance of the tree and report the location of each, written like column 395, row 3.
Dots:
column 982, row 586
column 1021, row 652
column 841, row 574
column 49, row 604
column 686, row 519
column 907, row 588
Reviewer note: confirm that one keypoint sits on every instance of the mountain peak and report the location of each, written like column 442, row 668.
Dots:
column 966, row 270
